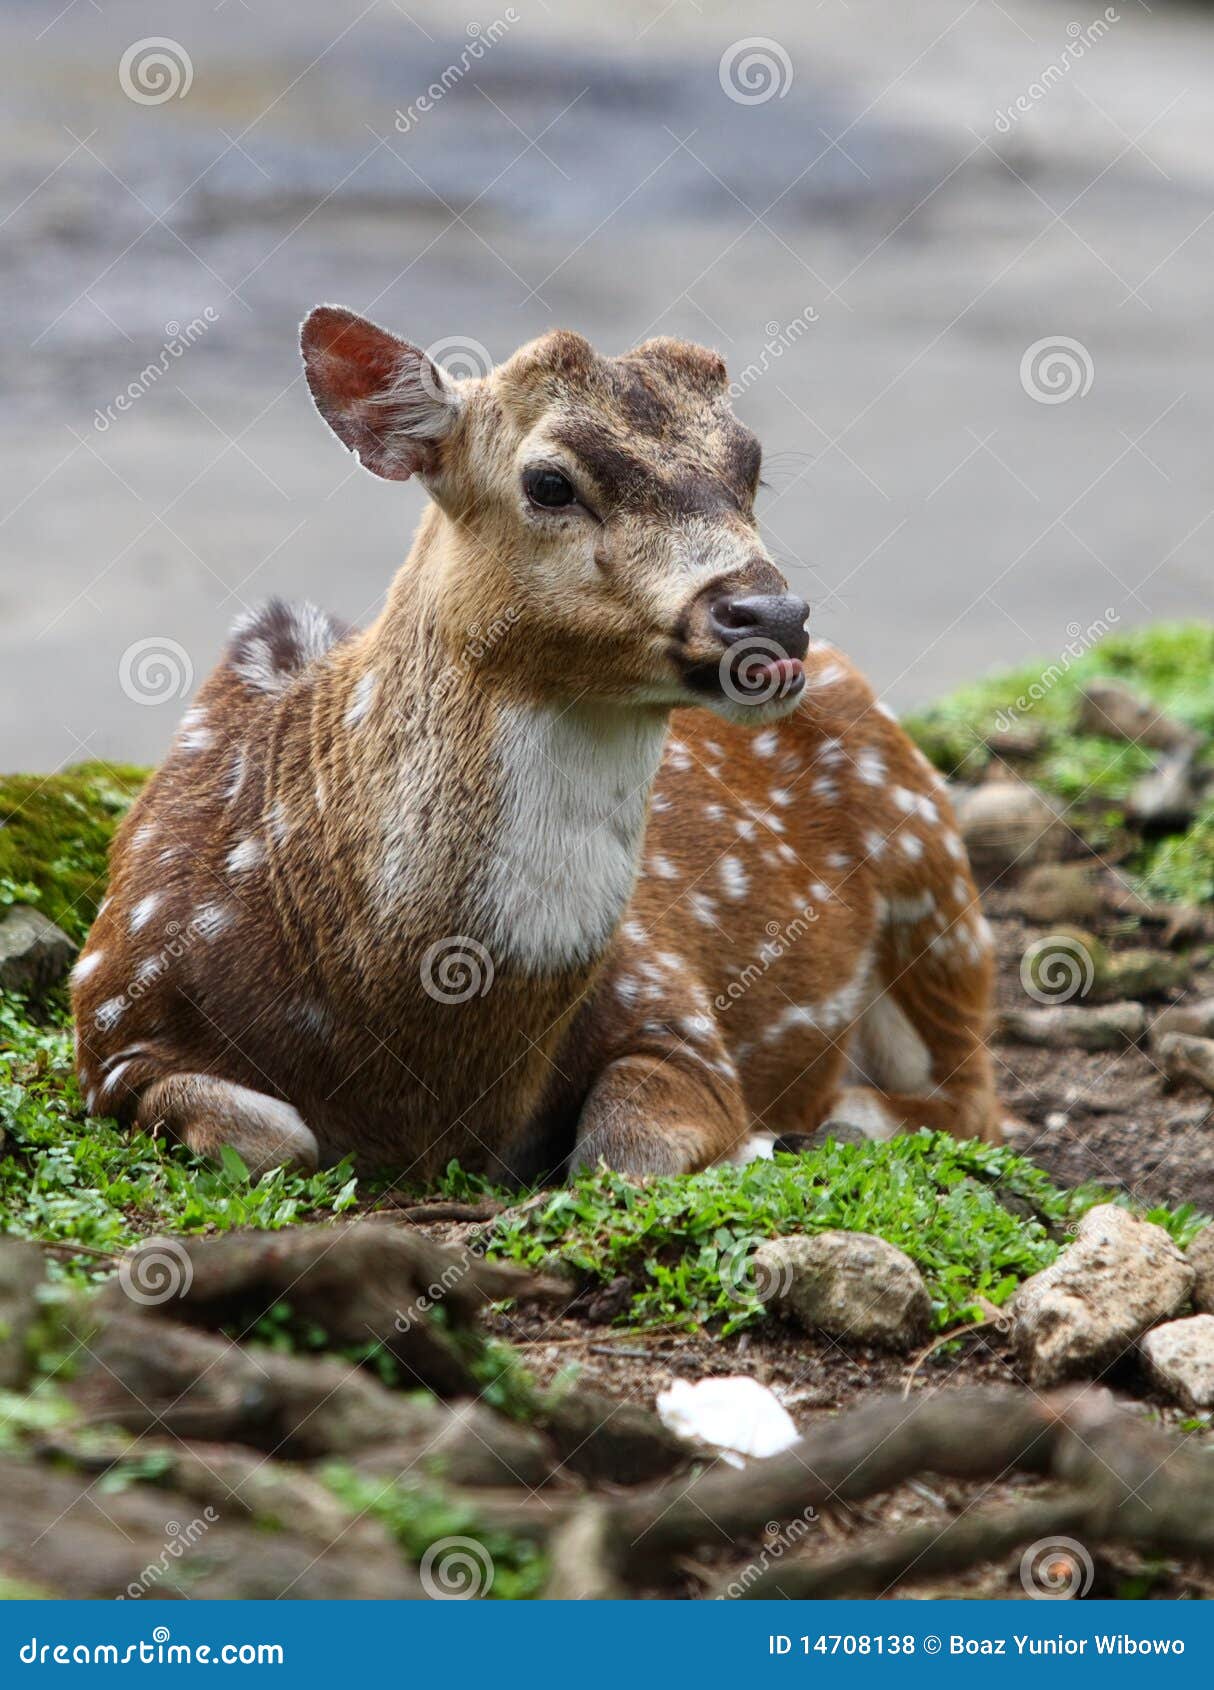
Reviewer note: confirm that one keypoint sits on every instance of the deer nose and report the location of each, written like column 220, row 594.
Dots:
column 778, row 617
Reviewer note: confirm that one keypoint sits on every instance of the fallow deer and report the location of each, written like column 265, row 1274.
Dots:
column 580, row 851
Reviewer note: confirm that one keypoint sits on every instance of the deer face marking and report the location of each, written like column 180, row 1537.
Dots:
column 600, row 509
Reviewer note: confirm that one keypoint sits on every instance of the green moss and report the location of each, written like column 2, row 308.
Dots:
column 1182, row 868
column 55, row 832
column 1169, row 664
column 686, row 1241
column 496, row 1564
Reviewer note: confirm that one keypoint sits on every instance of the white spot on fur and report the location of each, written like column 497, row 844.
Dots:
column 837, row 859
column 86, row 964
column 765, row 744
column 911, row 844
column 236, row 774
column 280, row 827
column 954, row 847
column 870, row 767
column 246, row 854
column 874, row 843
column 114, row 1075
column 109, row 1013
column 734, row 879
column 211, row 920
column 194, row 735
column 714, row 812
column 829, row 1016
column 678, row 756
column 143, row 911
column 703, row 909
column 826, row 789
column 662, row 867
column 914, row 908
column 360, row 702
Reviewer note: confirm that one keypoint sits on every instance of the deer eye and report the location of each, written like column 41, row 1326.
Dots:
column 548, row 488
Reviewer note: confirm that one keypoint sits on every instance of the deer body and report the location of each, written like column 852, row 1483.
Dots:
column 387, row 898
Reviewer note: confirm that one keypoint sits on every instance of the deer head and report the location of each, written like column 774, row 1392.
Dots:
column 605, row 506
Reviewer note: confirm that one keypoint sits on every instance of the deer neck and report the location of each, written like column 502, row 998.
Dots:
column 514, row 819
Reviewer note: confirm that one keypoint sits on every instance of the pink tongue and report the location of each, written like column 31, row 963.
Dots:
column 787, row 671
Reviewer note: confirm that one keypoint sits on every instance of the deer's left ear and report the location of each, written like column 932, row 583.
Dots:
column 382, row 398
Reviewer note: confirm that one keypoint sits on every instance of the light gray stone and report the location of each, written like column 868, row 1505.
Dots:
column 1071, row 1027
column 1200, row 1257
column 34, row 953
column 1119, row 1277
column 1196, row 1019
column 848, row 1284
column 22, row 1271
column 1180, row 1359
column 1182, row 1056
column 1005, row 825
column 1116, row 711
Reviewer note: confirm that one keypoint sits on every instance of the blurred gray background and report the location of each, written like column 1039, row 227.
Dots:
column 846, row 200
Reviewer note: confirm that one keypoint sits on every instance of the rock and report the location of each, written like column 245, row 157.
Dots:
column 1167, row 798
column 34, row 954
column 1059, row 892
column 1200, row 1257
column 1180, row 1359
column 63, row 1533
column 1116, row 711
column 838, row 1132
column 848, row 1284
column 1184, row 1057
column 1021, row 739
column 1005, row 825
column 1196, row 1019
column 1139, row 974
column 1120, row 1276
column 1070, row 1027
column 1062, row 965
column 22, row 1271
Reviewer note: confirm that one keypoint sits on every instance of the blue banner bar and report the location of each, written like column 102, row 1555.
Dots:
column 609, row 1644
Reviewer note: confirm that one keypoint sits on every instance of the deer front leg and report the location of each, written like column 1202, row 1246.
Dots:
column 668, row 1114
column 205, row 1113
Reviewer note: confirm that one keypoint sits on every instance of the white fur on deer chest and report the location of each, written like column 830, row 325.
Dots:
column 575, row 785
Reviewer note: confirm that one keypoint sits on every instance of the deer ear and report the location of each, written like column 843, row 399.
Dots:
column 382, row 398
